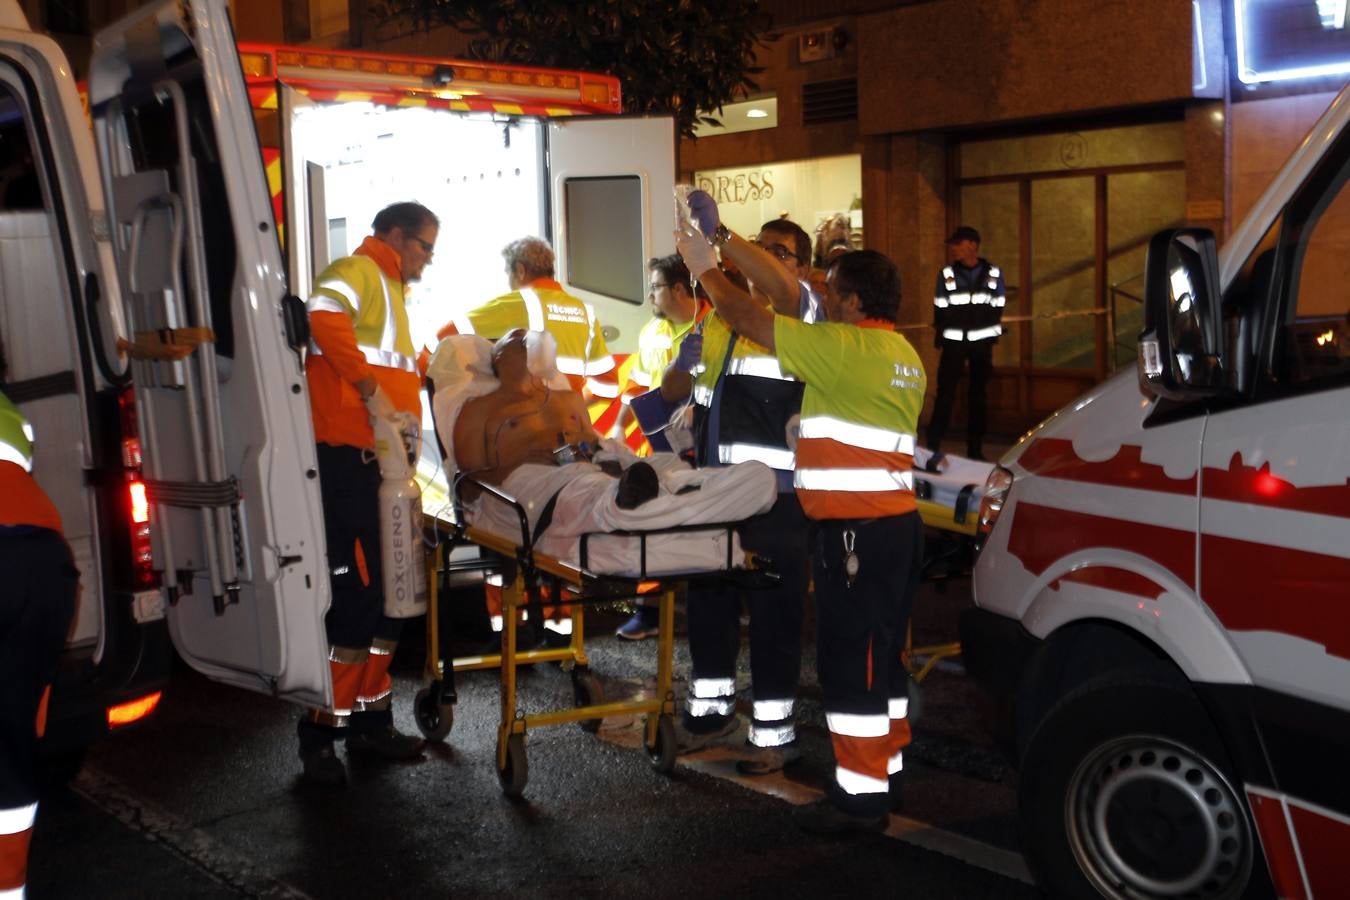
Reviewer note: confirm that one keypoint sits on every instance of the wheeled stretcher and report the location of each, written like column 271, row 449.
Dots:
column 589, row 567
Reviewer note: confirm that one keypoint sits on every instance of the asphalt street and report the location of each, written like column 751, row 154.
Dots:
column 204, row 801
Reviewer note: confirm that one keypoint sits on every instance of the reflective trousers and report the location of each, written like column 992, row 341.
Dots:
column 955, row 354
column 714, row 614
column 36, row 605
column 861, row 631
column 361, row 637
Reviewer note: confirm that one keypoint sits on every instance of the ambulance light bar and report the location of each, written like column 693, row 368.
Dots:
column 439, row 78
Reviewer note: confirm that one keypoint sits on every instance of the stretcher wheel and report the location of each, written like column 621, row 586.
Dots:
column 587, row 691
column 663, row 754
column 915, row 708
column 434, row 718
column 517, row 770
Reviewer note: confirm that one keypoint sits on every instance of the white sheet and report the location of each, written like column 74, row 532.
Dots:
column 946, row 486
column 461, row 370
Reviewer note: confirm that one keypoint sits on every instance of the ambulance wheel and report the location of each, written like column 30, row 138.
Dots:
column 517, row 770
column 587, row 691
column 1126, row 792
column 434, row 718
column 663, row 754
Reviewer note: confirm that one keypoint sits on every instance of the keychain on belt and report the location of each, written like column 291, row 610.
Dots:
column 850, row 558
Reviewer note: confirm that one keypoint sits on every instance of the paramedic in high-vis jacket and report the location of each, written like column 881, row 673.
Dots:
column 967, row 316
column 855, row 454
column 36, row 605
column 361, row 365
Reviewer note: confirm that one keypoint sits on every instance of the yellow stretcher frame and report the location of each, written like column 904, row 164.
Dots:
column 943, row 518
column 434, row 714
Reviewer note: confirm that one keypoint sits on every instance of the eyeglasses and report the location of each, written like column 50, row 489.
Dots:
column 779, row 252
column 429, row 247
column 653, row 288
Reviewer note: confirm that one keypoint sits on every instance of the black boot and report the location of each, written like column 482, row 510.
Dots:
column 372, row 733
column 318, row 755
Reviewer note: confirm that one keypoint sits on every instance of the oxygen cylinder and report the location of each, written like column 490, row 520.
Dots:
column 402, row 552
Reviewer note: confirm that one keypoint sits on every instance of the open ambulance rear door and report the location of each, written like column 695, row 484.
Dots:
column 227, row 442
column 612, row 208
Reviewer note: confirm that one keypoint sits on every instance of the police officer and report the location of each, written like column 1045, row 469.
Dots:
column 967, row 312
column 36, row 605
column 864, row 390
column 361, row 366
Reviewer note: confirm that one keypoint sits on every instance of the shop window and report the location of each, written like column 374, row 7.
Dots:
column 815, row 193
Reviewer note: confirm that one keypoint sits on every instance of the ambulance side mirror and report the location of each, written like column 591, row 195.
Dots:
column 1180, row 347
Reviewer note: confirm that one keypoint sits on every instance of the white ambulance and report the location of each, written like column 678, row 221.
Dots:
column 188, row 484
column 1163, row 594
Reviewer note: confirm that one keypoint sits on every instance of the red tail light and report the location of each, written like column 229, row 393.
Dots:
column 126, row 713
column 140, row 507
column 138, row 501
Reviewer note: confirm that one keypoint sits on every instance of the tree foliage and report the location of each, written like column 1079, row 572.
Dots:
column 671, row 56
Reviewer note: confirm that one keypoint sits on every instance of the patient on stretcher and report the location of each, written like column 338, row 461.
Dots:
column 526, row 421
column 506, row 420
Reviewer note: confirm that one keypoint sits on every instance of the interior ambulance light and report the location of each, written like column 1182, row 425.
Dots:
column 140, row 505
column 133, row 711
column 1331, row 13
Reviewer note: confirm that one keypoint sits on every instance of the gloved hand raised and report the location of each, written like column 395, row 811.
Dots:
column 703, row 210
column 691, row 348
column 697, row 253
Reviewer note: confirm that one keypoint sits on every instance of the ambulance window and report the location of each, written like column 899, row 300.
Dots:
column 1312, row 348
column 20, row 187
column 604, row 236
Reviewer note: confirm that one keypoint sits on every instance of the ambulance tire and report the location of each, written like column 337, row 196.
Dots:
column 1126, row 792
column 434, row 718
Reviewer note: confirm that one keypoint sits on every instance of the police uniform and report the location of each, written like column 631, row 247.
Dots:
column 36, row 605
column 864, row 390
column 967, row 312
column 359, row 326
column 744, row 404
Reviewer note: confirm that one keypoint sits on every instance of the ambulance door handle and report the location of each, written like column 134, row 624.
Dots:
column 296, row 319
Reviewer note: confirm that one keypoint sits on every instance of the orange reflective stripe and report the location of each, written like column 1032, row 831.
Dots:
column 346, row 684
column 866, row 756
column 375, row 681
column 361, row 568
column 40, row 725
column 824, row 453
column 14, row 859
column 900, row 736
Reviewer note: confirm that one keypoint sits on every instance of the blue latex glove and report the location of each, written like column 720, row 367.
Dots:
column 703, row 209
column 691, row 349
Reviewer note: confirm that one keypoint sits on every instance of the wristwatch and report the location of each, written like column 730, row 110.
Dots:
column 721, row 234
